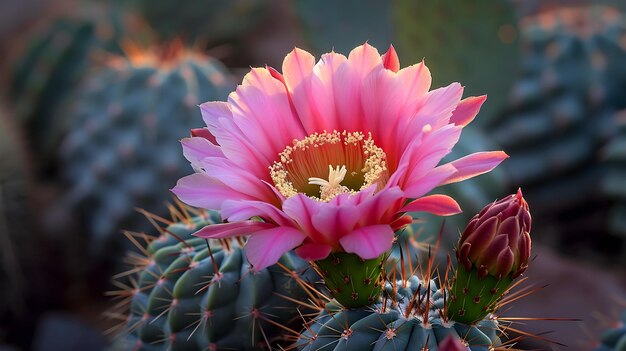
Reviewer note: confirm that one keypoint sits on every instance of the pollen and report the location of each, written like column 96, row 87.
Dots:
column 325, row 165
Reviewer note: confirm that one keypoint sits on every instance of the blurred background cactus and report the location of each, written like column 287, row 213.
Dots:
column 563, row 111
column 95, row 97
column 121, row 151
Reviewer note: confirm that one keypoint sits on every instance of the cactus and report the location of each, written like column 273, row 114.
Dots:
column 192, row 294
column 493, row 250
column 214, row 22
column 614, row 339
column 48, row 69
column 121, row 152
column 409, row 317
column 572, row 81
column 443, row 33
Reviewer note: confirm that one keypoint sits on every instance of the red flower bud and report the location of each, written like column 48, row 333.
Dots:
column 497, row 240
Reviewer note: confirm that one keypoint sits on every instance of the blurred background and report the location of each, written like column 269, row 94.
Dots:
column 96, row 95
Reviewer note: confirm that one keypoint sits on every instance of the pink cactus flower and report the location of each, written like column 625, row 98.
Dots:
column 329, row 156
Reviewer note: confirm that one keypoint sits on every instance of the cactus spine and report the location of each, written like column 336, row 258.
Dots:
column 197, row 295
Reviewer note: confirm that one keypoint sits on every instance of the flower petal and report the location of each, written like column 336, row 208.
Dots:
column 368, row 242
column 237, row 178
column 467, row 109
column 242, row 210
column 265, row 247
column 197, row 148
column 475, row 164
column 225, row 230
column 440, row 205
column 313, row 252
column 200, row 190
column 262, row 111
column 433, row 179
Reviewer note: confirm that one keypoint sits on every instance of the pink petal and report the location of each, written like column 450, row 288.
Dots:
column 313, row 252
column 237, row 178
column 263, row 113
column 467, row 109
column 204, row 133
column 334, row 221
column 475, row 164
column 391, row 60
column 297, row 70
column 364, row 59
column 238, row 148
column 212, row 111
column 434, row 110
column 382, row 207
column 324, row 86
column 440, row 205
column 196, row 149
column 200, row 190
column 225, row 230
column 265, row 247
column 368, row 242
column 302, row 209
column 242, row 210
column 426, row 152
column 433, row 179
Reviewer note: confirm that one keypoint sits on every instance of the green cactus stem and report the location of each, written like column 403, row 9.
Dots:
column 472, row 298
column 352, row 281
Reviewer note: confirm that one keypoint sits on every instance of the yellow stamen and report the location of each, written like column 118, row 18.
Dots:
column 300, row 168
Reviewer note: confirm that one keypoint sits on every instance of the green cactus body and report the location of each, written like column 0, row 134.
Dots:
column 352, row 281
column 193, row 298
column 122, row 152
column 614, row 339
column 472, row 298
column 407, row 318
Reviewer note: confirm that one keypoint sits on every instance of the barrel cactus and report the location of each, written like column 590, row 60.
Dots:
column 560, row 116
column 614, row 339
column 410, row 316
column 122, row 151
column 48, row 68
column 192, row 294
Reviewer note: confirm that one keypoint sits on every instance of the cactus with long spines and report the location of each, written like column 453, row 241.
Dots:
column 122, row 151
column 194, row 294
column 410, row 316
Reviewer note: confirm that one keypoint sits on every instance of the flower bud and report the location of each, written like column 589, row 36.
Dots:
column 494, row 249
column 497, row 240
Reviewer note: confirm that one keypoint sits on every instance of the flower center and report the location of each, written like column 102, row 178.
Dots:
column 324, row 165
